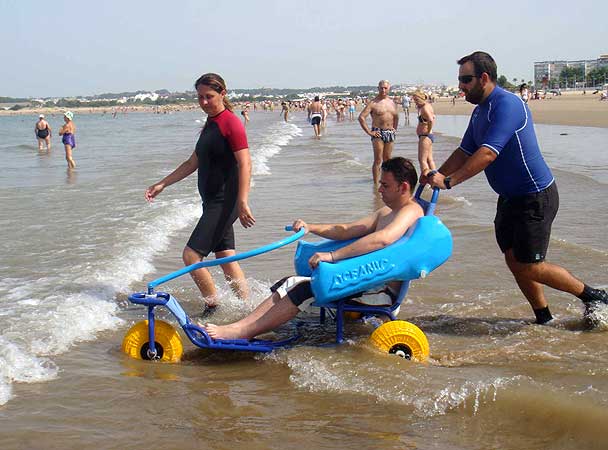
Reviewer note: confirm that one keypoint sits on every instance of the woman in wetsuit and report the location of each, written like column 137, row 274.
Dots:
column 223, row 163
column 424, row 130
column 67, row 132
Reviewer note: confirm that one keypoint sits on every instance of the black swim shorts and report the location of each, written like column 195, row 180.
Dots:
column 214, row 231
column 299, row 291
column 524, row 224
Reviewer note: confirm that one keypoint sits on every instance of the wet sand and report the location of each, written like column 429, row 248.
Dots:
column 568, row 109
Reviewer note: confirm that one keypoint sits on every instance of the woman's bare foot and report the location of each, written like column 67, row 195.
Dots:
column 224, row 331
column 211, row 301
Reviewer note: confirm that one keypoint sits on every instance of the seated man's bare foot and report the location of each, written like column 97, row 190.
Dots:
column 224, row 331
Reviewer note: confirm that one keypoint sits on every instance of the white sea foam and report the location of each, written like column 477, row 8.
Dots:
column 470, row 394
column 17, row 365
column 276, row 136
column 133, row 259
column 389, row 381
column 82, row 302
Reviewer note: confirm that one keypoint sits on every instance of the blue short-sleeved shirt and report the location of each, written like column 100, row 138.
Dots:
column 503, row 123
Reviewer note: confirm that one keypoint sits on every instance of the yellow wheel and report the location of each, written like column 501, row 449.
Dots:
column 167, row 342
column 403, row 339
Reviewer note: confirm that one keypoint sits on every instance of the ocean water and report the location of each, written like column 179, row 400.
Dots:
column 75, row 244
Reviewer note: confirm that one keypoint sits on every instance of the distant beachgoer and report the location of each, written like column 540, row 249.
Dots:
column 224, row 171
column 323, row 114
column 351, row 109
column 424, row 130
column 341, row 110
column 501, row 140
column 524, row 93
column 245, row 114
column 68, row 131
column 43, row 132
column 405, row 103
column 285, row 111
column 315, row 115
column 385, row 119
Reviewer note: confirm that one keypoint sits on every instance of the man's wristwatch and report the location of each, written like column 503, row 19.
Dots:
column 447, row 182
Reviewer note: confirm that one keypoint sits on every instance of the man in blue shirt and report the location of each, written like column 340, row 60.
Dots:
column 501, row 141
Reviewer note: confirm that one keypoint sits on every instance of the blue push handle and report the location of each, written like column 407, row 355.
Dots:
column 428, row 206
column 228, row 259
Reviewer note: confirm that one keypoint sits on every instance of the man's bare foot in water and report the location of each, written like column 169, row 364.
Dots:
column 225, row 331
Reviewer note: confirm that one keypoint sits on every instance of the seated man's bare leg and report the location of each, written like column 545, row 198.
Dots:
column 272, row 313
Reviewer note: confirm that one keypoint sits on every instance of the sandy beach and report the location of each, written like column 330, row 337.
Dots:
column 568, row 109
column 573, row 109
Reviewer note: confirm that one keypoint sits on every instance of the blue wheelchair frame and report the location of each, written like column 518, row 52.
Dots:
column 197, row 335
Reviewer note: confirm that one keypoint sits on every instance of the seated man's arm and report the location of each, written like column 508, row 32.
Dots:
column 381, row 238
column 340, row 231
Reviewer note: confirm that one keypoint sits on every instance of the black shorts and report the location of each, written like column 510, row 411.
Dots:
column 316, row 120
column 214, row 231
column 299, row 292
column 524, row 224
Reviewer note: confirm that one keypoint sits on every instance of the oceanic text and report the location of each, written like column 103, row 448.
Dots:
column 363, row 272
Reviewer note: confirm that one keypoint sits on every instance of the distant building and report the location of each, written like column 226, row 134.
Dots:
column 550, row 70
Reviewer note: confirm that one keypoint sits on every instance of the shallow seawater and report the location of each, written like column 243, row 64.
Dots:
column 75, row 244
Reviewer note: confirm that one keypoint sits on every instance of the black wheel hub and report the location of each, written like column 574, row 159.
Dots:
column 401, row 350
column 145, row 349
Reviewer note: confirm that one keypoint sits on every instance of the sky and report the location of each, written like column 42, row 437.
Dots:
column 58, row 48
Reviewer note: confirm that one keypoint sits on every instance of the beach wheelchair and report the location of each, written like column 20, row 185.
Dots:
column 425, row 246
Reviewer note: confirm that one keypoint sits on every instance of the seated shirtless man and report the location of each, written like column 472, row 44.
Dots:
column 380, row 229
column 385, row 119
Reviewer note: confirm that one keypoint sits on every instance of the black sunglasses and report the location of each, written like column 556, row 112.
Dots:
column 466, row 79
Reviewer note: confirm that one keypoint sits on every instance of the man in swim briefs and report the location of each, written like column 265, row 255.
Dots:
column 385, row 119
column 351, row 109
column 315, row 115
column 292, row 294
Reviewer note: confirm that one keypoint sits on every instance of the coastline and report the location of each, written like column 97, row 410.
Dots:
column 573, row 109
column 568, row 109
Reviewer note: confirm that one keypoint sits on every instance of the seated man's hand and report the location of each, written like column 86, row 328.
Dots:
column 299, row 224
column 315, row 259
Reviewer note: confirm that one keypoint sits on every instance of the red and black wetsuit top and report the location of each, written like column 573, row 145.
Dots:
column 218, row 176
